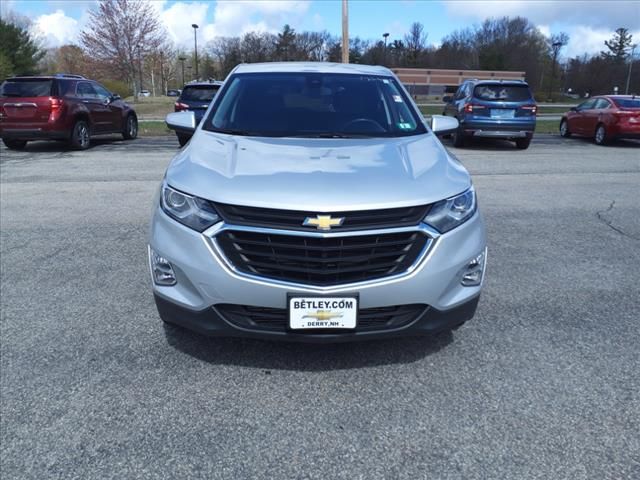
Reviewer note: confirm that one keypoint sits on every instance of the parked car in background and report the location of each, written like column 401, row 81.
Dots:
column 493, row 109
column 61, row 107
column 604, row 118
column 195, row 97
column 173, row 93
column 315, row 203
column 145, row 93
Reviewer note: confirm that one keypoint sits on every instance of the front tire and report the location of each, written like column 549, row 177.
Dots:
column 80, row 136
column 601, row 137
column 523, row 143
column 130, row 128
column 564, row 129
column 459, row 139
column 14, row 144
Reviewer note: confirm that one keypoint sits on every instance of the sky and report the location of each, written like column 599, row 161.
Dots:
column 588, row 22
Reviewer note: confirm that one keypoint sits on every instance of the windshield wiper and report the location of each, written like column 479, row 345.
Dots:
column 329, row 135
column 234, row 131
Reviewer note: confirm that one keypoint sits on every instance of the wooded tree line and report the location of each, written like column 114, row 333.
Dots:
column 126, row 47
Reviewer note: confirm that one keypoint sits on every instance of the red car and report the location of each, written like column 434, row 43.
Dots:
column 605, row 118
column 61, row 107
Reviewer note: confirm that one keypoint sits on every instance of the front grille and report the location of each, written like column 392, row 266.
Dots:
column 276, row 319
column 293, row 219
column 321, row 261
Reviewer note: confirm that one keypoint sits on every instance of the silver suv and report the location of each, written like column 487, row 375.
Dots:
column 314, row 203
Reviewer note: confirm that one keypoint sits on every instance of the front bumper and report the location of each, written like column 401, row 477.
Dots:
column 205, row 280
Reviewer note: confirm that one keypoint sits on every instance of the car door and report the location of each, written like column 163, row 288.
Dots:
column 98, row 112
column 113, row 109
column 592, row 116
column 578, row 121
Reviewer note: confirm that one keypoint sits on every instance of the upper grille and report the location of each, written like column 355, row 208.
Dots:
column 275, row 319
column 293, row 219
column 321, row 261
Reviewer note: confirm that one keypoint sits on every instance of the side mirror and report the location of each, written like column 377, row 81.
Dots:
column 574, row 109
column 447, row 98
column 441, row 125
column 115, row 97
column 183, row 121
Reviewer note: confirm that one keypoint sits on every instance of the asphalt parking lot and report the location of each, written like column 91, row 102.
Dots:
column 543, row 384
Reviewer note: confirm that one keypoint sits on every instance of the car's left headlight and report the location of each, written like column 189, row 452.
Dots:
column 191, row 211
column 448, row 214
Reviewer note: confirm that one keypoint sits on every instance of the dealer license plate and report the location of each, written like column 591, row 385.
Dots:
column 307, row 313
column 502, row 113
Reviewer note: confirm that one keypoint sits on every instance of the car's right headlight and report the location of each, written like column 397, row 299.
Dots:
column 448, row 214
column 191, row 211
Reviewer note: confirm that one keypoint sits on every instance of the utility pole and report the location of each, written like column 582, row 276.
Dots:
column 195, row 42
column 345, row 32
column 384, row 55
column 182, row 59
column 633, row 49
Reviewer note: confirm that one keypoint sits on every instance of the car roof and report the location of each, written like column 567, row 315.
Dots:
column 500, row 82
column 203, row 84
column 318, row 67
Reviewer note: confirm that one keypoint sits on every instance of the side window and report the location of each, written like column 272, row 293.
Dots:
column 461, row 91
column 85, row 90
column 588, row 105
column 602, row 103
column 102, row 92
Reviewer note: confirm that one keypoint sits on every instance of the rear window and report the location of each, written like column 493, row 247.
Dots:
column 26, row 88
column 199, row 93
column 627, row 102
column 502, row 93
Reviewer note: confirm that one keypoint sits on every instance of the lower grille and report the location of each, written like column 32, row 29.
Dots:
column 276, row 319
column 321, row 260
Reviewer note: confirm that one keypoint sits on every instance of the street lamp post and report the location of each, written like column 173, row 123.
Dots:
column 190, row 68
column 182, row 59
column 195, row 42
column 556, row 46
column 633, row 49
column 384, row 55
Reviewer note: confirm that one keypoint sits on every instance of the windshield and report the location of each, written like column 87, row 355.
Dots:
column 503, row 93
column 627, row 102
column 199, row 93
column 26, row 88
column 305, row 104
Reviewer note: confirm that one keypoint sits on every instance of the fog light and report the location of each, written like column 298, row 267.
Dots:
column 472, row 275
column 161, row 270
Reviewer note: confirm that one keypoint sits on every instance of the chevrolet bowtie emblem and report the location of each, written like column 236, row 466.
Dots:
column 322, row 315
column 323, row 222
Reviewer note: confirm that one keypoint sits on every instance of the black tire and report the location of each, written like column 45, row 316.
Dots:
column 600, row 136
column 564, row 128
column 183, row 139
column 523, row 143
column 459, row 139
column 14, row 144
column 80, row 136
column 130, row 128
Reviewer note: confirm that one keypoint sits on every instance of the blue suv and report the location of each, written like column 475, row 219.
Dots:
column 493, row 108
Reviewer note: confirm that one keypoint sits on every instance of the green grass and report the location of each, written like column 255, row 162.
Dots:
column 153, row 129
column 547, row 126
column 152, row 106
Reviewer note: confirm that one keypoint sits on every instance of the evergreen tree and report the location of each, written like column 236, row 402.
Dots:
column 19, row 53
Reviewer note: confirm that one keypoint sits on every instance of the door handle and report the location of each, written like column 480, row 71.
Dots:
column 85, row 101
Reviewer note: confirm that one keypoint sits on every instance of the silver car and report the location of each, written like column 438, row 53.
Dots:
column 315, row 203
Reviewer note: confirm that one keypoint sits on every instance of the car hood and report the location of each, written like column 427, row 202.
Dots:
column 317, row 174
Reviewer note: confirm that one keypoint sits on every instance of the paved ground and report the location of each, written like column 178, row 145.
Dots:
column 543, row 384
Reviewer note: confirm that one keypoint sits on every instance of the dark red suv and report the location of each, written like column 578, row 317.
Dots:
column 61, row 107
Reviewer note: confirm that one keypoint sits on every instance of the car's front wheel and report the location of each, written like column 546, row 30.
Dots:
column 80, row 136
column 523, row 143
column 130, row 128
column 14, row 144
column 601, row 135
column 564, row 129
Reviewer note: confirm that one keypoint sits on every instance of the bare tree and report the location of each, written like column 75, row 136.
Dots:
column 120, row 33
column 416, row 43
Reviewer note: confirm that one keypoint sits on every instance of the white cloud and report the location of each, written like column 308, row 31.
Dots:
column 611, row 14
column 583, row 39
column 179, row 17
column 56, row 29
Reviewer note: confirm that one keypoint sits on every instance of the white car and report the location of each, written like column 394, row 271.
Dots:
column 315, row 203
